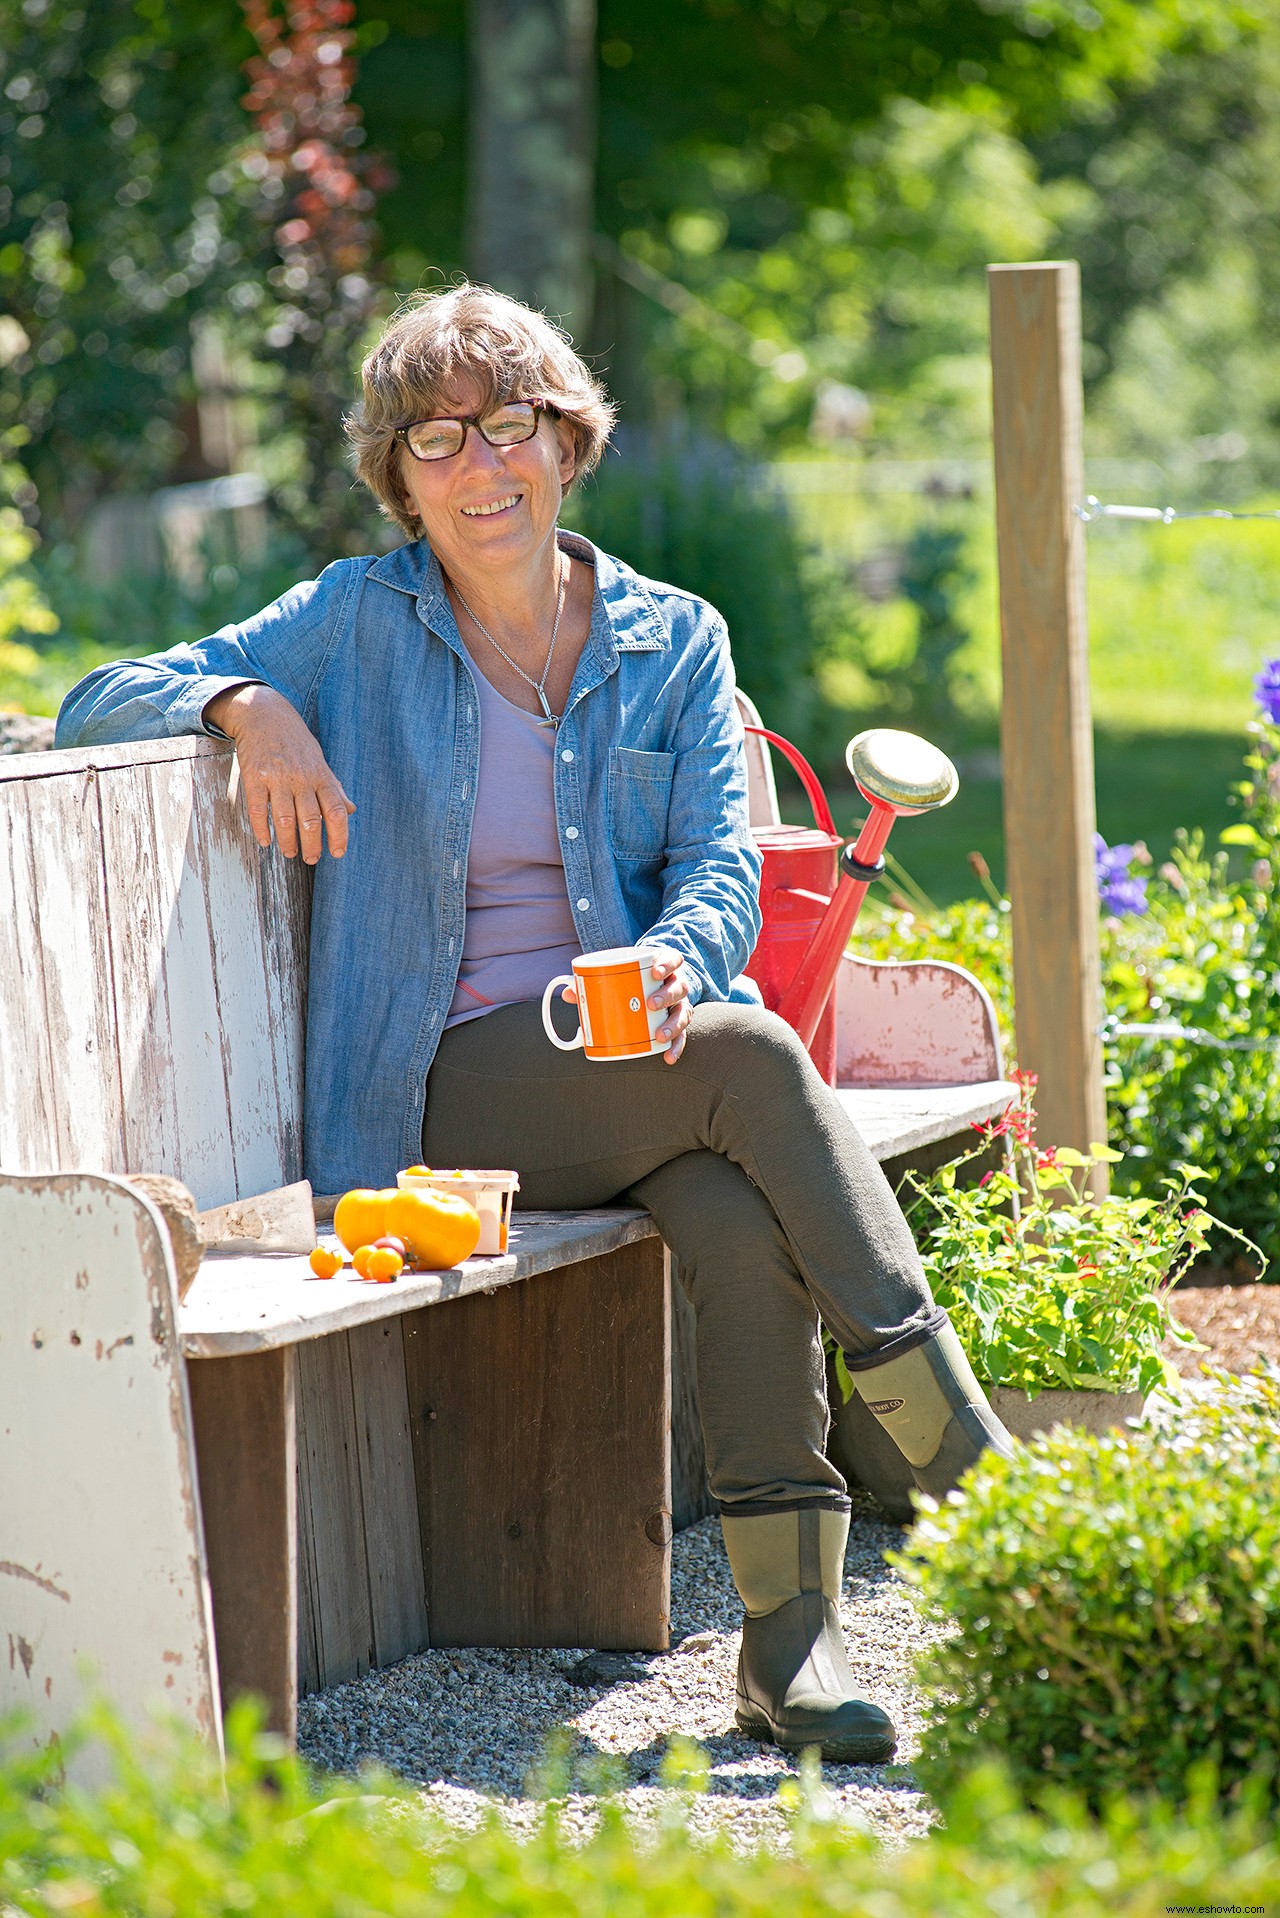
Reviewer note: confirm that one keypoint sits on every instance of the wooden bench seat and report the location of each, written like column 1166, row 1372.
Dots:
column 497, row 1455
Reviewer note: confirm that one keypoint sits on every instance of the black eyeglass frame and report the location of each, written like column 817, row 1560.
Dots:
column 467, row 420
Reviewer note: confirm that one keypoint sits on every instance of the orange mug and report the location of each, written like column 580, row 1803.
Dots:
column 615, row 1022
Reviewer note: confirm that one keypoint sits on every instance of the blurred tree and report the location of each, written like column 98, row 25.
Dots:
column 1173, row 214
column 741, row 112
column 531, row 129
column 314, row 194
column 118, row 224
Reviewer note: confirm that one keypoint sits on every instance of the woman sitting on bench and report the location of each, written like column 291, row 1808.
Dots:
column 541, row 756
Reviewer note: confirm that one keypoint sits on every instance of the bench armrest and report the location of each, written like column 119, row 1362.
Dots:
column 916, row 1022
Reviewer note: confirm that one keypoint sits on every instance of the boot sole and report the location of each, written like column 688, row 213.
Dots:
column 866, row 1748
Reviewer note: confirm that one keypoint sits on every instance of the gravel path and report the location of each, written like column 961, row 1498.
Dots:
column 472, row 1727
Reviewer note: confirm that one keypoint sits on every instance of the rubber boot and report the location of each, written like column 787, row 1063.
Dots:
column 923, row 1392
column 795, row 1688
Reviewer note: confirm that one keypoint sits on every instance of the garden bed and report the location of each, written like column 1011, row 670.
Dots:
column 1238, row 1323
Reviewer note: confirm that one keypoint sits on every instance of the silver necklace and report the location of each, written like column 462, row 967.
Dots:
column 548, row 717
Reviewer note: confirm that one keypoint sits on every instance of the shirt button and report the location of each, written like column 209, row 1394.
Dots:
column 584, row 905
column 567, row 757
column 571, row 832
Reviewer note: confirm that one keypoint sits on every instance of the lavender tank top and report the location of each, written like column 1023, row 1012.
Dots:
column 519, row 928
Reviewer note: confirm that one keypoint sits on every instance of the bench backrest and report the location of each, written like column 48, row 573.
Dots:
column 153, row 977
column 152, row 973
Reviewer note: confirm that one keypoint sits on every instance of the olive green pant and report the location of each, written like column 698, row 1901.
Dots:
column 773, row 1207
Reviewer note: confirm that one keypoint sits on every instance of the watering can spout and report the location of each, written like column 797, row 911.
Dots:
column 900, row 771
column 810, row 899
column 899, row 775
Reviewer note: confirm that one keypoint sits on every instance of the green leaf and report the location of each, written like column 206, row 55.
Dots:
column 1243, row 835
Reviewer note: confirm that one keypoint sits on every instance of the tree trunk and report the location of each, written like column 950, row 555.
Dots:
column 532, row 152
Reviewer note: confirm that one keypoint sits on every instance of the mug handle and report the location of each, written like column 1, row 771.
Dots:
column 565, row 1045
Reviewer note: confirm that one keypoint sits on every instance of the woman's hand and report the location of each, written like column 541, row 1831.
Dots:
column 674, row 992
column 286, row 778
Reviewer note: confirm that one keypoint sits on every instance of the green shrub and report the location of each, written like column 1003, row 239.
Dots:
column 71, row 623
column 162, row 1840
column 24, row 612
column 1204, row 958
column 696, row 515
column 1116, row 1606
column 1199, row 968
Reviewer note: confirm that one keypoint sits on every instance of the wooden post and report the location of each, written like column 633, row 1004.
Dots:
column 1046, row 728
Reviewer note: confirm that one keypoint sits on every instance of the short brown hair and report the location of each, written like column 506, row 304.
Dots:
column 505, row 348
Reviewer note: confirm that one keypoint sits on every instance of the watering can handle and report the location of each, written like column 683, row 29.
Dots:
column 808, row 777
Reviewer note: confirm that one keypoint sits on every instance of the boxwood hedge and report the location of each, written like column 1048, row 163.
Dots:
column 1115, row 1603
column 165, row 1839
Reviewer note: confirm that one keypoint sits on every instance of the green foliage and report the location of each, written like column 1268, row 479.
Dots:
column 1201, row 968
column 1206, row 959
column 89, row 622
column 935, row 572
column 1116, row 1605
column 164, row 1839
column 697, row 516
column 758, row 188
column 880, row 285
column 118, row 225
column 1047, row 1286
column 1176, row 186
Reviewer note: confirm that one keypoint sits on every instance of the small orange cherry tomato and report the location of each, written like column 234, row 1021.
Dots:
column 360, row 1259
column 383, row 1264
column 325, row 1262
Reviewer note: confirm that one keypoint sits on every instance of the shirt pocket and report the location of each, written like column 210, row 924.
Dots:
column 638, row 802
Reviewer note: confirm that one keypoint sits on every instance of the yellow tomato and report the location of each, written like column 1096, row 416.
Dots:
column 358, row 1216
column 439, row 1228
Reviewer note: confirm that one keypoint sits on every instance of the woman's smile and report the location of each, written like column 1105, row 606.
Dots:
column 492, row 506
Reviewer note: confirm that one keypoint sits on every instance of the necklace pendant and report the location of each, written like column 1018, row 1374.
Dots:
column 551, row 720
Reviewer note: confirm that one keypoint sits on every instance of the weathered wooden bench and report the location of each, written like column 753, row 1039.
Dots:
column 329, row 1475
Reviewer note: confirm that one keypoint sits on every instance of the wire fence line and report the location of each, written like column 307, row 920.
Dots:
column 1094, row 509
column 1170, row 1029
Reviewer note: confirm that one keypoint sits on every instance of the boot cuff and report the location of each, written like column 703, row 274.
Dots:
column 765, row 1508
column 901, row 1342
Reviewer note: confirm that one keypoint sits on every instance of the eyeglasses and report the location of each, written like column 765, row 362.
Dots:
column 508, row 425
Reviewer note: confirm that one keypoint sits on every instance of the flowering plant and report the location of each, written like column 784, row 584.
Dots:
column 1121, row 891
column 1047, row 1286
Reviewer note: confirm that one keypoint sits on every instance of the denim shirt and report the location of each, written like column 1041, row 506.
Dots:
column 650, row 797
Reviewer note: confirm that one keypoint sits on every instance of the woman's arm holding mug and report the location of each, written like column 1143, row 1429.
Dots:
column 711, row 881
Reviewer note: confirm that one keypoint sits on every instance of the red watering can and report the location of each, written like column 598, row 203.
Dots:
column 811, row 891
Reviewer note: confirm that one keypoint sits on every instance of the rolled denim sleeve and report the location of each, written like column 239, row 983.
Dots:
column 711, row 882
column 165, row 694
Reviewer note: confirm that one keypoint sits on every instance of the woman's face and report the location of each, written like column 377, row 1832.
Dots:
column 489, row 505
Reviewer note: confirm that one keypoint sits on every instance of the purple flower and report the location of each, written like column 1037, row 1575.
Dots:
column 1266, row 690
column 1118, row 891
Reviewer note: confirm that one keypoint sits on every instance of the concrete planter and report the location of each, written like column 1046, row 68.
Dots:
column 1029, row 1418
